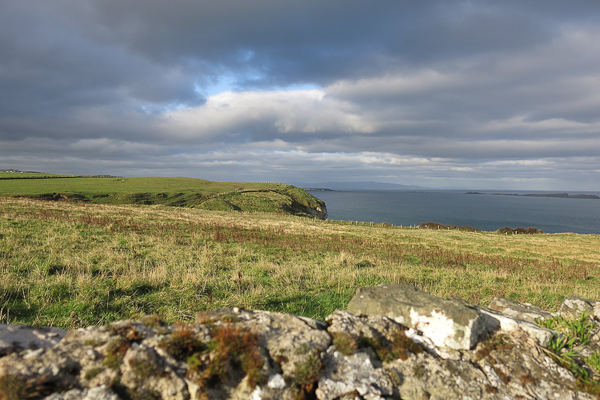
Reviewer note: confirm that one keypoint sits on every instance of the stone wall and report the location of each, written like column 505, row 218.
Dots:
column 393, row 342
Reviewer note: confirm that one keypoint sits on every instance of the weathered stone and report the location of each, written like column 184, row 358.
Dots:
column 289, row 339
column 96, row 393
column 496, row 321
column 519, row 310
column 424, row 376
column 575, row 306
column 144, row 370
column 445, row 322
column 352, row 374
column 20, row 337
column 520, row 369
column 349, row 357
column 371, row 326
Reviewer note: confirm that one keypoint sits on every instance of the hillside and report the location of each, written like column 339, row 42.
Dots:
column 178, row 192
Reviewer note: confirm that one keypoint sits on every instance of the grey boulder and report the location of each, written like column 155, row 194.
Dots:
column 446, row 323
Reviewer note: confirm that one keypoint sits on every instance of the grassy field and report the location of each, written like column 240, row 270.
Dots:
column 178, row 192
column 71, row 264
column 29, row 175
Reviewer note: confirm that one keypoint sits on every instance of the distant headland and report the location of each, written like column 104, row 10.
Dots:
column 558, row 195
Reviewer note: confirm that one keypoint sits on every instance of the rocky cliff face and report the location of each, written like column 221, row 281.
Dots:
column 394, row 342
column 318, row 211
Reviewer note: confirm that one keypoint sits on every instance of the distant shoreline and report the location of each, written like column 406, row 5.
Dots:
column 557, row 195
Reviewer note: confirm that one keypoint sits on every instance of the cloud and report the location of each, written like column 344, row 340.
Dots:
column 437, row 92
column 292, row 116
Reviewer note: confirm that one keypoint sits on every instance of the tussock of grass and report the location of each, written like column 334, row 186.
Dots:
column 111, row 262
column 344, row 343
column 93, row 372
column 183, row 343
column 231, row 348
column 389, row 350
column 115, row 351
column 575, row 332
column 307, row 374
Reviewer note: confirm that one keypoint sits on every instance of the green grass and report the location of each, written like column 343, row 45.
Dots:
column 30, row 175
column 178, row 192
column 109, row 262
column 575, row 332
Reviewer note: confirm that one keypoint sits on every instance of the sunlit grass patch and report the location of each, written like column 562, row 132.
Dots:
column 109, row 262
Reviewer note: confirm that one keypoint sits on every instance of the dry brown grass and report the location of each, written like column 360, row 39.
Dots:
column 112, row 262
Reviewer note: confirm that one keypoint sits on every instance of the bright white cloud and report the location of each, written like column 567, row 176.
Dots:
column 418, row 82
column 267, row 113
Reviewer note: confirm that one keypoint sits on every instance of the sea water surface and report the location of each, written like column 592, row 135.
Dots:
column 487, row 211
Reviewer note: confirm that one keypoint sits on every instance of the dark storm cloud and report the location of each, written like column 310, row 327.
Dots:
column 52, row 73
column 409, row 92
column 280, row 43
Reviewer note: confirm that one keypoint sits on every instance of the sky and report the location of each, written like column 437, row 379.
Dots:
column 436, row 93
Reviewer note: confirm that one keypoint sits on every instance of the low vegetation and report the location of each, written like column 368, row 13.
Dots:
column 519, row 231
column 70, row 264
column 435, row 225
column 575, row 332
column 505, row 231
column 176, row 192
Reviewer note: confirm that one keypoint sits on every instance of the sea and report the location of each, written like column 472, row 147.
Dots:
column 488, row 211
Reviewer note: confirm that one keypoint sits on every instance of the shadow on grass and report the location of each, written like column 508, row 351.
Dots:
column 104, row 305
column 19, row 311
column 316, row 306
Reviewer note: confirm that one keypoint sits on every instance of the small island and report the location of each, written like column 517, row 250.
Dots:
column 564, row 195
column 557, row 195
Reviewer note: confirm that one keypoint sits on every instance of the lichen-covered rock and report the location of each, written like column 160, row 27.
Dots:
column 145, row 371
column 362, row 347
column 496, row 321
column 445, row 322
column 353, row 375
column 290, row 340
column 424, row 376
column 20, row 337
column 259, row 355
column 518, row 310
column 291, row 350
column 95, row 393
column 575, row 306
column 518, row 368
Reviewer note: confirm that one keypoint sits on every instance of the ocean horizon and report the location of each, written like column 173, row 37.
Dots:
column 481, row 209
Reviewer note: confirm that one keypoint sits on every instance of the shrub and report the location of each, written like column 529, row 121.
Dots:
column 307, row 373
column 182, row 343
column 344, row 343
column 115, row 351
column 435, row 225
column 519, row 231
column 230, row 347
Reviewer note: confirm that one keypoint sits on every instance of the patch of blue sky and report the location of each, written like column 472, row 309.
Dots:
column 230, row 83
column 155, row 109
column 223, row 83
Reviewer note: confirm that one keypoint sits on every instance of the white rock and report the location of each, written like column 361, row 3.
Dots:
column 276, row 382
column 101, row 393
column 497, row 321
column 345, row 375
column 447, row 323
column 256, row 394
column 20, row 337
